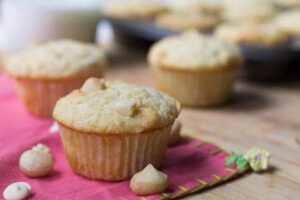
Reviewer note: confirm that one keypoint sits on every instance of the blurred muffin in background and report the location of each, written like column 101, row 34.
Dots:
column 252, row 34
column 207, row 6
column 287, row 3
column 289, row 22
column 195, row 69
column 46, row 72
column 186, row 20
column 133, row 9
column 248, row 10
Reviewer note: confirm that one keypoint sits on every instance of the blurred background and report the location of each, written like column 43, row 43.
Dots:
column 267, row 31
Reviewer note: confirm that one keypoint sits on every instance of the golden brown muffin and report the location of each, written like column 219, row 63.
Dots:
column 289, row 22
column 207, row 6
column 49, row 71
column 111, row 130
column 195, row 69
column 248, row 10
column 186, row 20
column 135, row 9
column 252, row 34
column 287, row 3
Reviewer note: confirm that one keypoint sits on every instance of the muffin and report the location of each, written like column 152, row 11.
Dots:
column 248, row 10
column 136, row 9
column 212, row 7
column 289, row 21
column 252, row 34
column 186, row 20
column 287, row 3
column 197, row 70
column 111, row 130
column 49, row 71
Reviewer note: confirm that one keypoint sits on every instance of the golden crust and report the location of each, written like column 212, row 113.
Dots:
column 194, row 52
column 115, row 108
column 289, row 22
column 62, row 59
column 248, row 10
column 287, row 3
column 232, row 65
column 252, row 34
column 186, row 20
column 132, row 10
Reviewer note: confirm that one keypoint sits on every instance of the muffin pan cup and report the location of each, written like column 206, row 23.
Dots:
column 267, row 64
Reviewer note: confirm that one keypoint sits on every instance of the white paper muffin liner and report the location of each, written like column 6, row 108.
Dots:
column 113, row 157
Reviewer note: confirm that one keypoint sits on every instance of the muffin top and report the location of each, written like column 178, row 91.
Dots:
column 106, row 107
column 193, row 5
column 289, row 21
column 186, row 20
column 194, row 51
column 132, row 9
column 252, row 34
column 56, row 60
column 248, row 10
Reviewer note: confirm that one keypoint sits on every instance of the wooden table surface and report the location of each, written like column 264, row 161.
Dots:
column 258, row 115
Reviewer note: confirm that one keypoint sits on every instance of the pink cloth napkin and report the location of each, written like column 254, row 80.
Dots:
column 191, row 165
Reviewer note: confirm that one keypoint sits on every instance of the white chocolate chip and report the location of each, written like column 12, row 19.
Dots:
column 149, row 181
column 17, row 191
column 126, row 108
column 35, row 163
column 175, row 132
column 93, row 84
column 41, row 147
column 54, row 128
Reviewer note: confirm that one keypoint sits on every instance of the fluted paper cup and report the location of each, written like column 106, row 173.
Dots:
column 113, row 157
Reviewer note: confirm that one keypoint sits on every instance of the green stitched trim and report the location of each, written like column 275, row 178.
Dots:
column 230, row 170
column 218, row 178
column 216, row 152
column 184, row 192
column 203, row 185
column 165, row 196
column 182, row 188
column 201, row 181
column 233, row 173
column 201, row 145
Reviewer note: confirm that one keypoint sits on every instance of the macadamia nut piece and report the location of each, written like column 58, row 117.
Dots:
column 17, row 191
column 36, row 163
column 149, row 181
column 93, row 84
column 125, row 108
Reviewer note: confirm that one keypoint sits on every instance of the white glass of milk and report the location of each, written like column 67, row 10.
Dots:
column 24, row 22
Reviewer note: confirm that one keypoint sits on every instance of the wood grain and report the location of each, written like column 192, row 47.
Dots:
column 265, row 116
